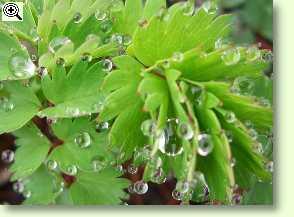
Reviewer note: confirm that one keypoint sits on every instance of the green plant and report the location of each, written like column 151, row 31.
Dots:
column 85, row 89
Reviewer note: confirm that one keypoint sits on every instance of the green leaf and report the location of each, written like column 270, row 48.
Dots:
column 31, row 142
column 70, row 153
column 42, row 187
column 11, row 48
column 259, row 194
column 161, row 38
column 76, row 93
column 25, row 106
column 102, row 188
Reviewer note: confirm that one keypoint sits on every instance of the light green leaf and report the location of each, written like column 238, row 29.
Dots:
column 102, row 188
column 31, row 143
column 25, row 106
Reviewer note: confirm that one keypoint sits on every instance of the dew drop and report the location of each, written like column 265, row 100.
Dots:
column 71, row 170
column 107, row 65
column 140, row 187
column 18, row 187
column 267, row 56
column 185, row 131
column 188, row 9
column 56, row 43
column 244, row 85
column 106, row 26
column 177, row 195
column 132, row 169
column 270, row 166
column 6, row 104
column 87, row 57
column 141, row 155
column 148, row 127
column 158, row 176
column 182, row 186
column 42, row 71
column 231, row 57
column 99, row 163
column 210, row 7
column 218, row 43
column 162, row 15
column 52, row 165
column 117, row 39
column 27, row 194
column 264, row 102
column 253, row 134
column 7, row 156
column 230, row 117
column 77, row 18
column 34, row 58
column 21, row 67
column 229, row 136
column 102, row 127
column 100, row 15
column 51, row 121
column 127, row 40
column 253, row 53
column 131, row 189
column 258, row 147
column 248, row 124
column 205, row 144
column 233, row 162
column 83, row 140
column 165, row 64
column 177, row 57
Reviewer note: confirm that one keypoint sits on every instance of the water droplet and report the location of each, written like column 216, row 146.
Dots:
column 253, row 134
column 185, row 131
column 188, row 9
column 42, row 71
column 258, row 148
column 6, row 104
column 100, row 15
column 34, row 58
column 119, row 168
column 231, row 57
column 27, row 194
column 117, row 39
column 141, row 155
column 71, row 170
column 72, row 111
column 236, row 199
column 267, row 56
column 253, row 53
column 229, row 136
column 148, row 128
column 52, row 165
column 21, row 66
column 18, row 187
column 34, row 35
column 177, row 57
column 107, row 65
column 158, row 176
column 210, row 7
column 248, row 124
column 270, row 166
column 83, row 140
column 244, row 85
column 264, row 102
column 230, row 117
column 58, row 187
column 127, row 40
column 140, row 187
column 77, row 18
column 177, row 195
column 99, row 163
column 132, row 169
column 168, row 141
column 131, row 189
column 218, row 43
column 182, row 186
column 7, row 156
column 56, row 43
column 233, row 162
column 106, row 26
column 102, row 127
column 205, row 144
column 87, row 57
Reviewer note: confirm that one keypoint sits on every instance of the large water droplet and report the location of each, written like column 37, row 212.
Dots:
column 21, row 66
column 77, row 18
column 231, row 57
column 107, row 65
column 205, row 144
column 253, row 53
column 56, row 43
column 185, row 131
column 244, row 85
column 148, row 128
column 7, row 156
column 52, row 165
column 270, row 166
column 100, row 15
column 230, row 117
column 132, row 169
column 71, row 170
column 102, row 127
column 18, row 187
column 83, row 140
column 140, row 187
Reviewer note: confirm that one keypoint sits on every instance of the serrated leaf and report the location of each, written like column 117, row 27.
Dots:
column 32, row 143
column 10, row 47
column 78, row 90
column 41, row 187
column 70, row 153
column 102, row 188
column 25, row 107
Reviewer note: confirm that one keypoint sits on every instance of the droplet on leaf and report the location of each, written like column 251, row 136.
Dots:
column 100, row 15
column 185, row 131
column 230, row 117
column 71, row 170
column 140, row 187
column 107, row 65
column 148, row 128
column 231, row 57
column 83, row 140
column 58, row 42
column 102, row 127
column 7, row 156
column 77, row 18
column 52, row 165
column 18, row 187
column 177, row 57
column 205, row 144
column 253, row 53
column 21, row 67
column 132, row 169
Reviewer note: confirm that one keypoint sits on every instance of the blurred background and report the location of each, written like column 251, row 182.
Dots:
column 253, row 24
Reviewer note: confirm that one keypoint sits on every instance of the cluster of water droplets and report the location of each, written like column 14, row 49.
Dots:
column 19, row 187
